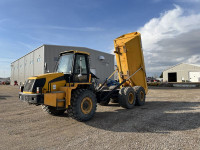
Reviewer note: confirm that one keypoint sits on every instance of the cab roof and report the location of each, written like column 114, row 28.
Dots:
column 74, row 51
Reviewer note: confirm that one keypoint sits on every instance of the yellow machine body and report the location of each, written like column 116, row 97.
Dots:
column 129, row 57
column 48, row 77
column 58, row 93
column 51, row 99
column 61, row 98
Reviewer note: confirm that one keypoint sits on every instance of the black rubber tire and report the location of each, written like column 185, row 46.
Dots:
column 124, row 94
column 52, row 110
column 140, row 95
column 74, row 109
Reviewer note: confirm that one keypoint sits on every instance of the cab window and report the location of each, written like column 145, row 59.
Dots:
column 83, row 67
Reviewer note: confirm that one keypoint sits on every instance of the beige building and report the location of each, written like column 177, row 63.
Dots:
column 182, row 73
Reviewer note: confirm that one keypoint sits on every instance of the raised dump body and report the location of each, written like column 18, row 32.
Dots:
column 130, row 60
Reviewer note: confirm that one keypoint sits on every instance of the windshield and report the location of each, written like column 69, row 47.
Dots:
column 65, row 63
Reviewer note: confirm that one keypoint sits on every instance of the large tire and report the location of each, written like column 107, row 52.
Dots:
column 127, row 97
column 83, row 105
column 140, row 95
column 52, row 110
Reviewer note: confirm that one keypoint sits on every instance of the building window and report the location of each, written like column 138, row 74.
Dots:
column 38, row 59
column 31, row 62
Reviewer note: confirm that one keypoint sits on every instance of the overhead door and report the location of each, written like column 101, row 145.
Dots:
column 194, row 76
column 172, row 77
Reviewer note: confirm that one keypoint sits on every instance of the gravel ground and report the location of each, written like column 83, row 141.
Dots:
column 169, row 120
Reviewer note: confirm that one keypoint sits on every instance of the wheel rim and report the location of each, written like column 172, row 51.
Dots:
column 131, row 98
column 86, row 105
column 142, row 95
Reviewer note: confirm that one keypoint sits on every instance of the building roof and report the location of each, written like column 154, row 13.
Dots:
column 181, row 64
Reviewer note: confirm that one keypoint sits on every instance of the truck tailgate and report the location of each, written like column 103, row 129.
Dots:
column 129, row 57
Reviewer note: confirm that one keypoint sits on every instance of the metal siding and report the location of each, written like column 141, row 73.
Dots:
column 38, row 65
column 12, row 73
column 31, row 61
column 24, row 67
column 16, row 71
column 27, row 67
column 21, row 71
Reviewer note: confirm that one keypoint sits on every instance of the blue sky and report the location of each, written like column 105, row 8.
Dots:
column 27, row 24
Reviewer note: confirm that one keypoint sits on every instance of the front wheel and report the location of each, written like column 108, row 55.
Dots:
column 83, row 105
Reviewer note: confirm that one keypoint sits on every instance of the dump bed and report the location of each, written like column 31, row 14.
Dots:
column 130, row 60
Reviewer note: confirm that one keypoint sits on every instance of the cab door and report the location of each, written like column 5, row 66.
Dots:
column 81, row 68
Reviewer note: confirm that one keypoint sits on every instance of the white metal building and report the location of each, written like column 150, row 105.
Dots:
column 182, row 73
column 43, row 59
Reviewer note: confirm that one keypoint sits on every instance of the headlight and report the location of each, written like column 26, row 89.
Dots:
column 21, row 88
column 39, row 90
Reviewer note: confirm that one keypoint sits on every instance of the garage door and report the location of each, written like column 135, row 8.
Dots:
column 194, row 76
column 172, row 77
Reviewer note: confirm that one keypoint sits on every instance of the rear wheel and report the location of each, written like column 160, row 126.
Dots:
column 140, row 95
column 52, row 110
column 83, row 105
column 127, row 97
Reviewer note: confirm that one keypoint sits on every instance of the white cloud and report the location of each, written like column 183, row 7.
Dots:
column 194, row 59
column 168, row 25
column 170, row 39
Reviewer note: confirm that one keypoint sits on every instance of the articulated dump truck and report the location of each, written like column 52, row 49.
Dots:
column 70, row 88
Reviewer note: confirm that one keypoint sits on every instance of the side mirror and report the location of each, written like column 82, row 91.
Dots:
column 45, row 67
column 80, row 75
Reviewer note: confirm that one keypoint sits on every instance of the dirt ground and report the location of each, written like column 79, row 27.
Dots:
column 169, row 120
